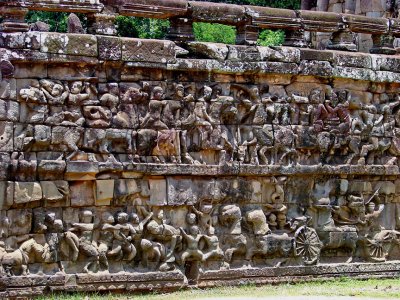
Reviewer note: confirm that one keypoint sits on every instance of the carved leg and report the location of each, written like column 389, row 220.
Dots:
column 131, row 253
column 129, row 142
column 262, row 155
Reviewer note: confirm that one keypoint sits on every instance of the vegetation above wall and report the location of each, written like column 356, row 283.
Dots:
column 157, row 29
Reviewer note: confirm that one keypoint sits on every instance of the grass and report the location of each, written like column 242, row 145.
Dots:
column 374, row 288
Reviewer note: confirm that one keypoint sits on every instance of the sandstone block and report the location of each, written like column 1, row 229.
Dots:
column 21, row 220
column 209, row 50
column 148, row 50
column 104, row 192
column 158, row 191
column 73, row 44
column 6, row 136
column 24, row 40
column 26, row 192
column 109, row 48
column 6, row 194
column 51, row 169
column 51, row 192
column 82, row 193
column 81, row 170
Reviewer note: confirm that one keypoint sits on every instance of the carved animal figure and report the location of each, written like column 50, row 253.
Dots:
column 167, row 146
column 123, row 136
column 269, row 245
column 67, row 138
column 17, row 261
column 340, row 237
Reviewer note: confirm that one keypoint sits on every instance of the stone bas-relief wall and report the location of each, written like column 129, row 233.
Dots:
column 141, row 171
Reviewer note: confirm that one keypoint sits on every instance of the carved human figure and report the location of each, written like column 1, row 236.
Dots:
column 277, row 207
column 87, row 245
column 127, row 236
column 204, row 215
column 167, row 235
column 171, row 112
column 212, row 248
column 35, row 101
column 78, row 93
column 55, row 92
column 282, row 112
column 153, row 118
column 199, row 119
column 372, row 224
column 55, row 236
column 192, row 241
column 4, row 227
column 111, row 98
column 230, row 218
column 127, row 115
column 301, row 110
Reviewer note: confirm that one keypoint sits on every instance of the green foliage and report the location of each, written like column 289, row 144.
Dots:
column 217, row 33
column 56, row 20
column 142, row 27
column 271, row 37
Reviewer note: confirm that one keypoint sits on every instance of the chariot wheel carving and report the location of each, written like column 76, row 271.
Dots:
column 307, row 245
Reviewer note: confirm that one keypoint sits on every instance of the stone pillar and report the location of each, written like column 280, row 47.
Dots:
column 13, row 19
column 246, row 34
column 181, row 30
column 295, row 38
column 343, row 40
column 102, row 24
column 382, row 44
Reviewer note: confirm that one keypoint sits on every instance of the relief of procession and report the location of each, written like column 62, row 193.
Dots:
column 199, row 224
column 216, row 124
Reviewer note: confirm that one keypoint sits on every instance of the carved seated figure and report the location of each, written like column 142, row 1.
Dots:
column 192, row 239
column 212, row 248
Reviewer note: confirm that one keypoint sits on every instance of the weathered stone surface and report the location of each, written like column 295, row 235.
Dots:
column 225, row 14
column 25, row 192
column 109, row 48
column 27, row 40
column 148, row 50
column 209, row 50
column 73, row 44
column 126, row 168
column 6, row 194
column 104, row 192
column 51, row 192
column 158, row 191
column 82, row 193
column 81, row 170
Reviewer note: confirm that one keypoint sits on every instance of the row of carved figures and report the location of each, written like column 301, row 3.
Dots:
column 246, row 127
column 77, row 103
column 145, row 240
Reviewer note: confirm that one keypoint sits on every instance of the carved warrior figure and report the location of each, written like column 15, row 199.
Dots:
column 87, row 245
column 247, row 127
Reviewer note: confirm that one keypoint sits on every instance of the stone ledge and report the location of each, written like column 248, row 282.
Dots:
column 35, row 285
